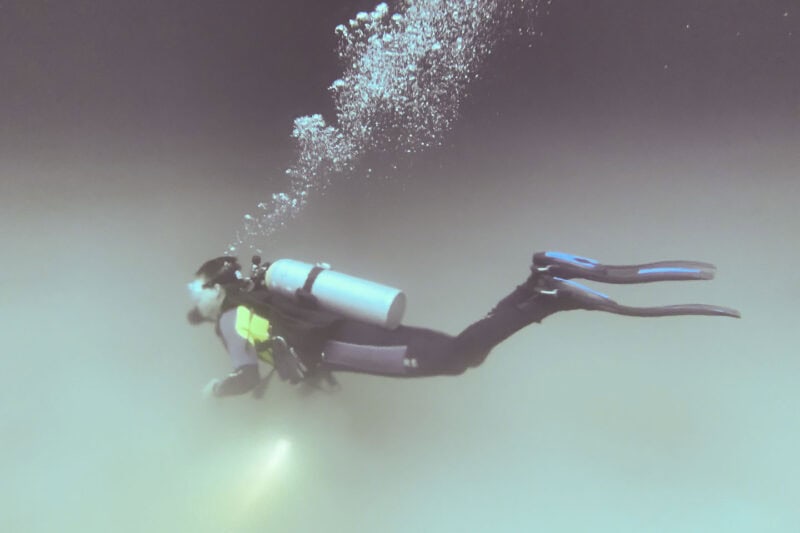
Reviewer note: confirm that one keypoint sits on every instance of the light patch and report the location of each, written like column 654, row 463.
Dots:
column 275, row 456
column 263, row 476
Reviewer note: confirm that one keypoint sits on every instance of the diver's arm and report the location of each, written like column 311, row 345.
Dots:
column 244, row 359
column 242, row 380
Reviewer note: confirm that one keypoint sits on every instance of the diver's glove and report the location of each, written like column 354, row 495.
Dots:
column 242, row 380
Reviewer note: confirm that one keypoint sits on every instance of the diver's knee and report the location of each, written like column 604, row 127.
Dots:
column 450, row 364
column 460, row 363
column 476, row 359
column 458, row 369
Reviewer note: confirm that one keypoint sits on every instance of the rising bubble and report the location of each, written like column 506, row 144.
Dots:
column 406, row 72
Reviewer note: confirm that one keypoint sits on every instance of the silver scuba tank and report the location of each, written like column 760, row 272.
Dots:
column 347, row 295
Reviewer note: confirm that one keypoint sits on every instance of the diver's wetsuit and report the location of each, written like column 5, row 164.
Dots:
column 405, row 351
column 243, row 355
column 425, row 352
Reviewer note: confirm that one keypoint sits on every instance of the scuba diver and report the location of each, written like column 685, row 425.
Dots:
column 307, row 321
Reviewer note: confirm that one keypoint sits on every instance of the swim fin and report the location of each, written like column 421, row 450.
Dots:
column 553, row 272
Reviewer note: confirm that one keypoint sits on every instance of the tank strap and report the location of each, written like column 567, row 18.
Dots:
column 312, row 277
column 303, row 294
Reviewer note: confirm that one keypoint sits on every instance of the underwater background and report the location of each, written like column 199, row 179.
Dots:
column 136, row 136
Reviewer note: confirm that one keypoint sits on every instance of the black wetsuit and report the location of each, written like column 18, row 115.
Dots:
column 431, row 353
column 329, row 342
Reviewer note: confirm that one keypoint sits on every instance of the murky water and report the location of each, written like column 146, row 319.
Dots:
column 129, row 156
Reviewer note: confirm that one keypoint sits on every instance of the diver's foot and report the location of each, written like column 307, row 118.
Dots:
column 568, row 266
column 537, row 297
column 553, row 281
column 566, row 295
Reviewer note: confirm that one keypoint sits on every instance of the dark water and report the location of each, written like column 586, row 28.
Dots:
column 134, row 138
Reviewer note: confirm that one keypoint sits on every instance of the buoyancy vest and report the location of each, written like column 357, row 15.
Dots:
column 268, row 315
column 255, row 330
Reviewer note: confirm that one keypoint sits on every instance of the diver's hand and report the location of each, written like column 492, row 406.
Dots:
column 210, row 390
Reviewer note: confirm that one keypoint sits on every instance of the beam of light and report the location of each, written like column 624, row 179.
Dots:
column 276, row 456
column 263, row 475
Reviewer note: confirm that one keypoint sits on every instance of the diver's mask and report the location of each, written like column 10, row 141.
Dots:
column 207, row 299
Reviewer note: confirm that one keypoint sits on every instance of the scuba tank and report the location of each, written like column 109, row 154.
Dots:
column 346, row 295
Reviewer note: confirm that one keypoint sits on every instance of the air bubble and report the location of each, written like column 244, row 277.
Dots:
column 404, row 80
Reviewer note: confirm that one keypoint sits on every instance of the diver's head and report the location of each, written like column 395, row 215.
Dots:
column 207, row 290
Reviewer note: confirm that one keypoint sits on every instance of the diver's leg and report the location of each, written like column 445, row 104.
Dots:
column 414, row 352
column 523, row 306
column 401, row 352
